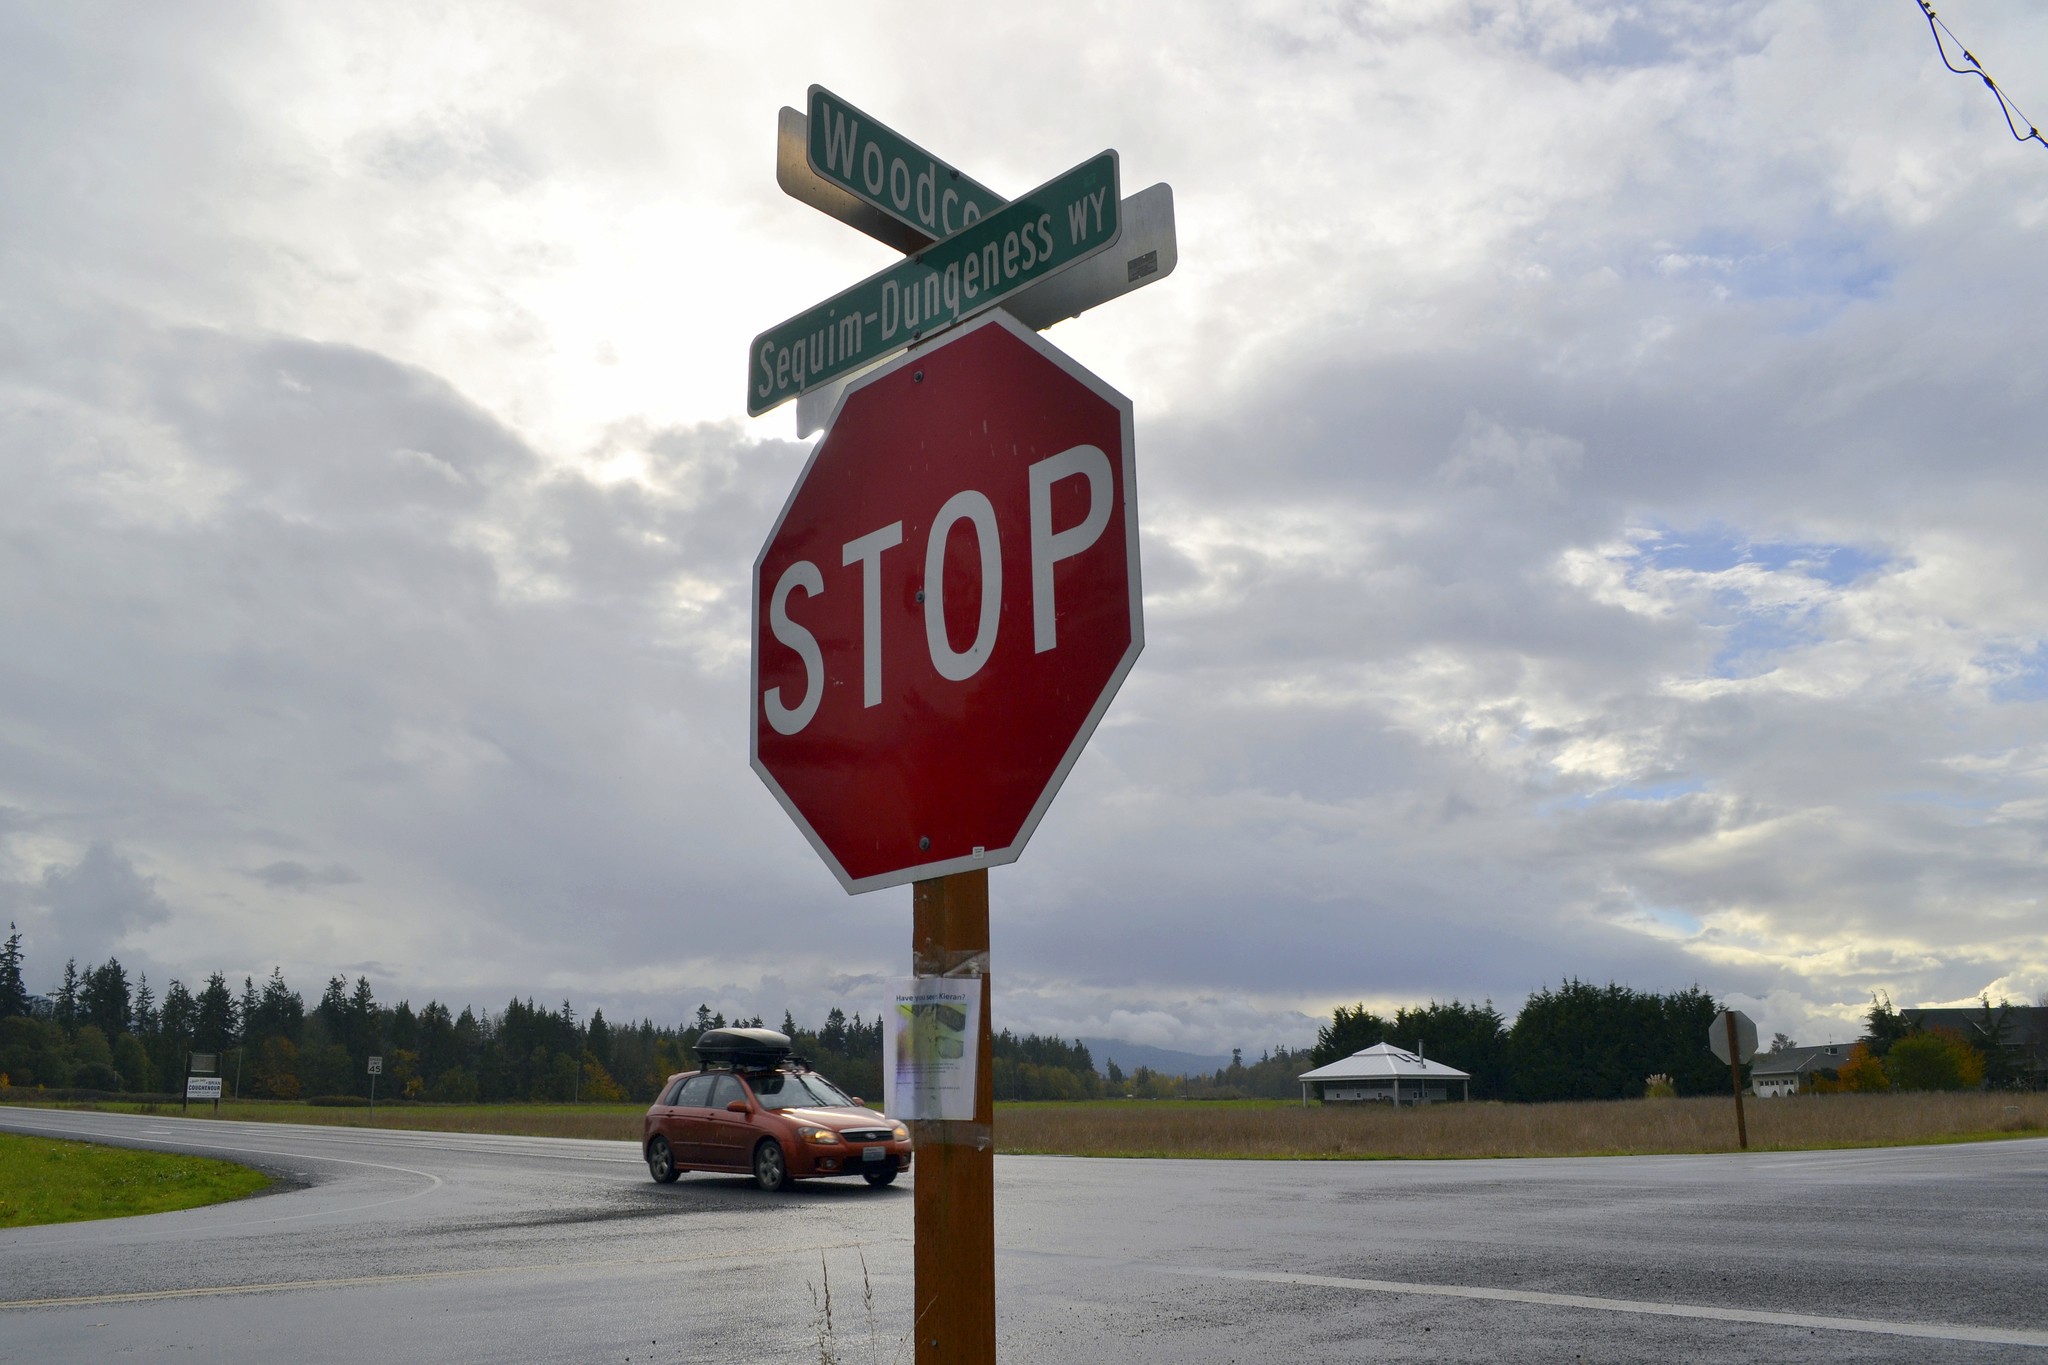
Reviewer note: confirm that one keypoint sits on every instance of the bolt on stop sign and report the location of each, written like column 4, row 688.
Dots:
column 946, row 606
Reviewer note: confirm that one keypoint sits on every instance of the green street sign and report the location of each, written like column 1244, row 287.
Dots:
column 881, row 167
column 1061, row 223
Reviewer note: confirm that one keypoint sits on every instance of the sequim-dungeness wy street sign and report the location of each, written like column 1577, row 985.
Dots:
column 1060, row 224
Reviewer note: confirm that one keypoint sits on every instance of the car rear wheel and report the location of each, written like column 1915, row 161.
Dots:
column 661, row 1162
column 880, row 1178
column 771, row 1167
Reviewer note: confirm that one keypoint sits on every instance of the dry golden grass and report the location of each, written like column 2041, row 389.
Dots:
column 1589, row 1128
column 1279, row 1130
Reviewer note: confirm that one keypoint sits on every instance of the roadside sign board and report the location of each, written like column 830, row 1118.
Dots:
column 889, row 172
column 1063, row 222
column 1745, row 1037
column 202, row 1087
column 207, row 1062
column 946, row 606
column 376, row 1066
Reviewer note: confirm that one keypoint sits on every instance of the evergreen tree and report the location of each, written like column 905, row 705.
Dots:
column 437, row 1045
column 214, row 1028
column 179, row 1016
column 2003, row 1066
column 1586, row 1042
column 13, row 991
column 279, row 1013
column 103, row 999
column 332, row 1011
column 363, row 1035
column 832, row 1037
column 1883, row 1025
column 145, row 1007
column 247, row 1010
column 1351, row 1029
column 1472, row 1038
column 67, row 995
column 131, row 1060
column 402, row 1027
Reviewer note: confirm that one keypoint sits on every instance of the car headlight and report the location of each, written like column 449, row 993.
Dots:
column 902, row 1133
column 818, row 1137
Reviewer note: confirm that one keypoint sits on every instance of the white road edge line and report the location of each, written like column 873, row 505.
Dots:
column 1934, row 1331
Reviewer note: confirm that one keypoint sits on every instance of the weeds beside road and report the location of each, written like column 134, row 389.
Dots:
column 1282, row 1130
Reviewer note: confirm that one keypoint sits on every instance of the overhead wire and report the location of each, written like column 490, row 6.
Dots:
column 1976, row 68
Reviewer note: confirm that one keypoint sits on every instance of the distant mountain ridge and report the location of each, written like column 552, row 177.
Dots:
column 1163, row 1060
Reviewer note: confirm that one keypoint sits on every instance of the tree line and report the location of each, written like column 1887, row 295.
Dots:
column 1579, row 1041
column 98, row 1030
column 1576, row 1041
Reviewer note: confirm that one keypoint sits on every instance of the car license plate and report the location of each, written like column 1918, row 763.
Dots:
column 873, row 1153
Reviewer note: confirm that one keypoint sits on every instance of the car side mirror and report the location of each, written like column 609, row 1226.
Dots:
column 859, row 1103
column 737, row 1107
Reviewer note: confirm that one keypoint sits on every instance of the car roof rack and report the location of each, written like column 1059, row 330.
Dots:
column 733, row 1048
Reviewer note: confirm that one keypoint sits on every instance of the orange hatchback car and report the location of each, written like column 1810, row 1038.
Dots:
column 755, row 1110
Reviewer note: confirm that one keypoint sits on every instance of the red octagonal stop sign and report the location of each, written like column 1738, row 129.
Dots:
column 946, row 606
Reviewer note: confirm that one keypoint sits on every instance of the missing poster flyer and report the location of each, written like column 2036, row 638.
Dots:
column 928, row 1048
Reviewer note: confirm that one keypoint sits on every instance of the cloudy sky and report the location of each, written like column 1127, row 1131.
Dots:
column 1591, row 485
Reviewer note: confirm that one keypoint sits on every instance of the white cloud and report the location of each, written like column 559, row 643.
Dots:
column 1590, row 497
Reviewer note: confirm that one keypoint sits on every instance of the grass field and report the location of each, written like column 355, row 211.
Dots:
column 46, row 1181
column 1283, row 1130
column 1279, row 1130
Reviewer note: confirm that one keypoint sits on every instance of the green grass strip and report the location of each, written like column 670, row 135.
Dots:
column 43, row 1180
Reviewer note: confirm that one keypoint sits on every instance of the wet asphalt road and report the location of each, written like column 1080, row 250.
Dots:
column 394, row 1246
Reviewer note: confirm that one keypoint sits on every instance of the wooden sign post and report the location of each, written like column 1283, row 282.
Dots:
column 1735, row 1079
column 954, row 1257
column 1732, row 1038
column 958, row 439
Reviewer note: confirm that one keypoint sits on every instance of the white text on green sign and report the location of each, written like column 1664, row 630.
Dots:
column 1059, row 224
column 876, row 164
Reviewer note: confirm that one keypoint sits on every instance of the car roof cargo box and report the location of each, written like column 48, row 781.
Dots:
column 762, row 1047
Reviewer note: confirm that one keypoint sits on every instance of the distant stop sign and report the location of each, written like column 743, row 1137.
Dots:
column 946, row 605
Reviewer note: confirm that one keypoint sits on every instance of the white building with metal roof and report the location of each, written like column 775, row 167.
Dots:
column 1791, row 1070
column 1386, row 1073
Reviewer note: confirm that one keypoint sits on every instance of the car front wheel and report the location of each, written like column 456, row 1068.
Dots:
column 771, row 1167
column 661, row 1162
column 880, row 1178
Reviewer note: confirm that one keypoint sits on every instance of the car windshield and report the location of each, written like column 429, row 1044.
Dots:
column 797, row 1090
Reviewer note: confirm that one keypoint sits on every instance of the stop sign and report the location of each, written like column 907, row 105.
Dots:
column 946, row 606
